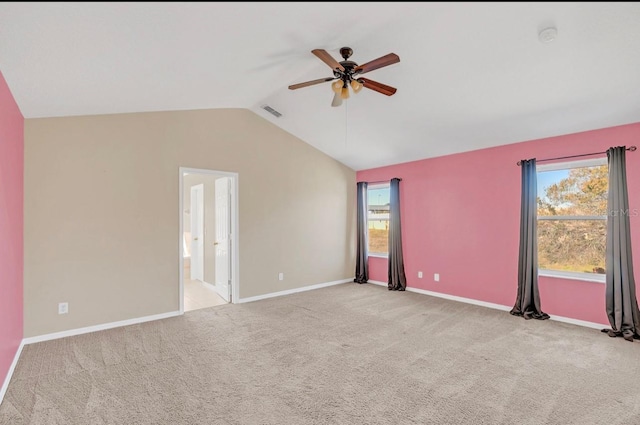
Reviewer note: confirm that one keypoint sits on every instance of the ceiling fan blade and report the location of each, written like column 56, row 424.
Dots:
column 376, row 86
column 310, row 83
column 337, row 100
column 385, row 60
column 325, row 57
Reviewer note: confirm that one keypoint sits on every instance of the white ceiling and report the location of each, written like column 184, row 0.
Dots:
column 471, row 75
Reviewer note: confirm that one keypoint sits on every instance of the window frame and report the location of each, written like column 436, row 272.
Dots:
column 373, row 187
column 568, row 165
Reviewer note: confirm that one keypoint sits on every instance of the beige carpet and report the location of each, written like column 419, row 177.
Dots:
column 348, row 354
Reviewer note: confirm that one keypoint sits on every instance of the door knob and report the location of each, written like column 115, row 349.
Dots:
column 195, row 239
column 215, row 243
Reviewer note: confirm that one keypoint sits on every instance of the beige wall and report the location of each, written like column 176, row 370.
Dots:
column 113, row 252
column 209, row 188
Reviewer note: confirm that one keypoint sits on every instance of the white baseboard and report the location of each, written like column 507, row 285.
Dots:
column 5, row 384
column 494, row 306
column 293, row 291
column 102, row 327
column 578, row 322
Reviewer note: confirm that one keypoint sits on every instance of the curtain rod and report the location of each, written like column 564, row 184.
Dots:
column 382, row 181
column 630, row 148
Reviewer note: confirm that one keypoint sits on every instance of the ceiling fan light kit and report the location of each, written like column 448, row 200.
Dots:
column 356, row 86
column 346, row 73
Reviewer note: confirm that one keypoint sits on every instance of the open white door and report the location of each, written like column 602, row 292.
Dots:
column 197, row 232
column 223, row 237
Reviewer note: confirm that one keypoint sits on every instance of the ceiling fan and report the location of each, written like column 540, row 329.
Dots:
column 347, row 73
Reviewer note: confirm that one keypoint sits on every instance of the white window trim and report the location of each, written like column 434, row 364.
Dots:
column 593, row 162
column 377, row 255
column 378, row 186
column 586, row 277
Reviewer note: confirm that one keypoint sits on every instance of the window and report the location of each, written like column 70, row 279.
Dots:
column 572, row 219
column 378, row 218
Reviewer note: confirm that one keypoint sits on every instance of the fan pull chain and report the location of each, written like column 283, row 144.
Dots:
column 346, row 123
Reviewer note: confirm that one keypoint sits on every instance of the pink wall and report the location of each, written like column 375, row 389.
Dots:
column 461, row 217
column 11, row 222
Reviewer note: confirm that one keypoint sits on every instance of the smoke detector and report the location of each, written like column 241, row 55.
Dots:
column 547, row 35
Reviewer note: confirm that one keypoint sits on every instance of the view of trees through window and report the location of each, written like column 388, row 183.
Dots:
column 378, row 218
column 572, row 224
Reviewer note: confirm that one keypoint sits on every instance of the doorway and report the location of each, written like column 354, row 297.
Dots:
column 208, row 238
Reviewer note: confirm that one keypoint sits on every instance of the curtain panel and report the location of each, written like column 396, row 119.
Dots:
column 397, row 279
column 621, row 301
column 362, row 269
column 527, row 303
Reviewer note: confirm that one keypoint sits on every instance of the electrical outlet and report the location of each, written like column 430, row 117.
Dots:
column 63, row 308
column 436, row 277
column 419, row 275
column 280, row 276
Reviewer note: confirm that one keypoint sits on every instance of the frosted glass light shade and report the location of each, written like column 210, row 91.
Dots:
column 356, row 86
column 336, row 86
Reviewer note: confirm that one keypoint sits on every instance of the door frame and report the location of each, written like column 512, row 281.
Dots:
column 199, row 270
column 222, row 233
column 235, row 238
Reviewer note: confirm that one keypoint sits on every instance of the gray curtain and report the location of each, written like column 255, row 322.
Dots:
column 397, row 278
column 362, row 270
column 528, row 300
column 621, row 302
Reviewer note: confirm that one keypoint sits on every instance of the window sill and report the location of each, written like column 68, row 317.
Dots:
column 585, row 277
column 378, row 255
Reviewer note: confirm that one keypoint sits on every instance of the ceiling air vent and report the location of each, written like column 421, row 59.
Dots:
column 272, row 111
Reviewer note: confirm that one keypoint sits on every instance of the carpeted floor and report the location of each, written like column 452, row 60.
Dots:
column 347, row 354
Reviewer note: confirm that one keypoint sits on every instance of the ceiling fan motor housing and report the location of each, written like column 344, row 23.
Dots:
column 346, row 52
column 348, row 73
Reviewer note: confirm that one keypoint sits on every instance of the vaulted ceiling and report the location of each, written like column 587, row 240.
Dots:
column 471, row 75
